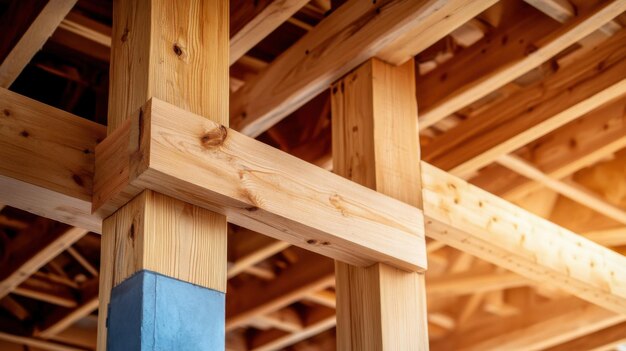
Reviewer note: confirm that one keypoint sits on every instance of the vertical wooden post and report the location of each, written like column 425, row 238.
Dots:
column 376, row 143
column 163, row 269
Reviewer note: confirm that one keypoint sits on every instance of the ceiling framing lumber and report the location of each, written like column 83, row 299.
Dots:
column 42, row 289
column 544, row 49
column 272, row 14
column 473, row 233
column 32, row 175
column 534, row 111
column 563, row 10
column 256, row 186
column 543, row 326
column 25, row 258
column 472, row 220
column 392, row 30
column 571, row 190
column 561, row 153
column 604, row 339
column 39, row 31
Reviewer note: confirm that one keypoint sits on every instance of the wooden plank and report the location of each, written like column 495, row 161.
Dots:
column 544, row 49
column 376, row 143
column 42, row 289
column 318, row 321
column 534, row 111
column 394, row 30
column 82, row 261
column 508, row 43
column 559, row 154
column 569, row 189
column 608, row 237
column 248, row 248
column 178, row 52
column 540, row 327
column 604, row 339
column 261, row 25
column 310, row 273
column 256, row 185
column 39, row 31
column 32, row 175
column 563, row 10
column 472, row 220
column 24, row 258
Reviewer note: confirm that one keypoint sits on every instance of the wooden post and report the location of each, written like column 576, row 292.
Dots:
column 376, row 143
column 164, row 261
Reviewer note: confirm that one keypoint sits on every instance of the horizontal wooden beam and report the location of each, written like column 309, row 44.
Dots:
column 46, row 160
column 42, row 289
column 504, row 72
column 539, row 327
column 475, row 221
column 458, row 214
column 269, row 16
column 533, row 111
column 392, row 30
column 185, row 156
column 605, row 339
column 38, row 343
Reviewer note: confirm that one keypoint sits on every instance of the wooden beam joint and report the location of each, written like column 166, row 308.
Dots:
column 258, row 187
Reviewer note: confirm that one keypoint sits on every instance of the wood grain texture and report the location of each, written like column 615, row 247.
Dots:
column 164, row 235
column 261, row 25
column 39, row 31
column 176, row 51
column 376, row 143
column 534, row 111
column 484, row 225
column 356, row 31
column 542, row 51
column 44, row 170
column 258, row 187
column 605, row 339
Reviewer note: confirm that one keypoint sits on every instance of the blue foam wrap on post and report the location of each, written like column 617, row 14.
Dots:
column 149, row 311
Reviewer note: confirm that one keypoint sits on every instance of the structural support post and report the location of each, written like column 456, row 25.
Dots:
column 376, row 143
column 163, row 269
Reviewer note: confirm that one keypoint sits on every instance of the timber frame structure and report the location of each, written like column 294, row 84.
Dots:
column 313, row 175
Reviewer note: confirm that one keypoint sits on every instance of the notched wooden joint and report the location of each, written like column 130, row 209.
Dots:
column 214, row 137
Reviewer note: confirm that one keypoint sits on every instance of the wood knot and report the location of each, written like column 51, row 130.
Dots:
column 214, row 137
column 25, row 134
column 131, row 232
column 178, row 50
column 316, row 242
column 124, row 37
column 78, row 180
column 6, row 112
column 252, row 208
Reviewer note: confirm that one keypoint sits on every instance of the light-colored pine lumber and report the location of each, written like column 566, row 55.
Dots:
column 484, row 225
column 178, row 52
column 42, row 289
column 533, row 111
column 258, row 187
column 39, row 31
column 250, row 248
column 569, row 189
column 261, row 25
column 394, row 30
column 563, row 10
column 376, row 143
column 602, row 340
column 33, row 176
column 311, row 273
column 564, row 151
column 608, row 237
column 82, row 261
column 546, row 48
